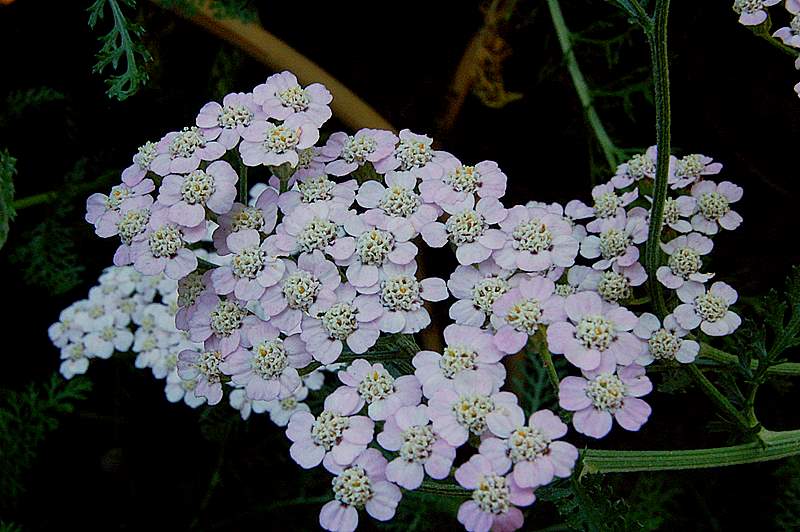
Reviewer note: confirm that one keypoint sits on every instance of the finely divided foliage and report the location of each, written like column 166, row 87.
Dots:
column 257, row 300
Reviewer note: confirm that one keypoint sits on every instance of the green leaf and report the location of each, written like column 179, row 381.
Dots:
column 120, row 42
column 8, row 168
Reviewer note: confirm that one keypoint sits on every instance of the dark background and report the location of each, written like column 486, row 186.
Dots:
column 127, row 459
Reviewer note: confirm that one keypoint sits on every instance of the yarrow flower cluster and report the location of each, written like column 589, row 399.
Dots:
column 316, row 268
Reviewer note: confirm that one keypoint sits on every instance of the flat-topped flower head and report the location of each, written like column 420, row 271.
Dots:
column 349, row 318
column 532, row 450
column 373, row 385
column 691, row 169
column 187, row 196
column 714, row 206
column 616, row 241
column 460, row 184
column 311, row 279
column 163, row 246
column 593, row 329
column 664, row 342
column 261, row 216
column 471, row 231
column 251, row 271
column 396, row 203
column 614, row 285
column 334, row 431
column 202, row 367
column 708, row 309
column 476, row 290
column 362, row 485
column 414, row 153
column 281, row 97
column 495, row 497
column 144, row 157
column 752, row 12
column 420, row 450
column 266, row 143
column 470, row 407
column 180, row 152
column 523, row 311
column 605, row 394
column 467, row 350
column 536, row 240
column 267, row 369
column 315, row 227
column 685, row 260
column 226, row 122
column 349, row 152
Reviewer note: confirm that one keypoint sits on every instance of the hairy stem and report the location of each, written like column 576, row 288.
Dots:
column 771, row 446
column 610, row 151
column 718, row 398
column 789, row 369
column 244, row 191
column 657, row 39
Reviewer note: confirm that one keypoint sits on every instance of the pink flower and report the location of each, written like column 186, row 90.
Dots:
column 535, row 240
column 103, row 211
column 594, row 328
column 685, row 262
column 752, row 12
column 315, row 226
column 713, row 206
column 676, row 210
column 187, row 196
column 476, row 290
column 261, row 217
column 318, row 188
column 312, row 279
column 401, row 296
column 311, row 163
column 409, row 432
column 130, row 223
column 790, row 35
column 361, row 485
column 371, row 384
column 335, row 432
column 615, row 285
column 220, row 319
column 352, row 152
column 145, row 155
column 349, row 318
column 607, row 204
column 252, row 270
column 397, row 201
column 376, row 248
column 268, row 368
column 521, row 312
column 531, row 450
column 708, row 309
column 616, row 242
column 180, row 152
column 691, row 169
column 469, row 406
column 640, row 166
column 225, row 123
column 603, row 394
column 495, row 497
column 189, row 290
column 162, row 248
column 664, row 343
column 470, row 231
column 269, row 144
column 468, row 350
column 202, row 367
column 460, row 182
column 281, row 97
column 414, row 152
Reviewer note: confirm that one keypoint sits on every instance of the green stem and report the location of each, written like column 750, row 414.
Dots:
column 373, row 356
column 244, row 192
column 447, row 489
column 44, row 197
column 771, row 446
column 789, row 369
column 547, row 361
column 720, row 400
column 610, row 151
column 657, row 38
